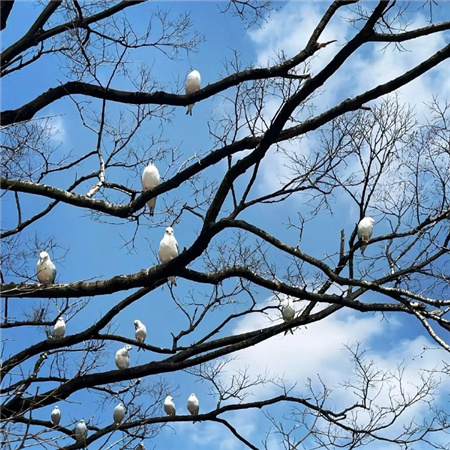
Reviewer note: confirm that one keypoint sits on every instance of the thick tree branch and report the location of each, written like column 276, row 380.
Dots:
column 236, row 278
column 28, row 111
column 413, row 34
column 185, row 359
column 5, row 9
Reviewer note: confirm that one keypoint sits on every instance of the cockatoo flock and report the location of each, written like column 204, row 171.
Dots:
column 81, row 430
column 168, row 250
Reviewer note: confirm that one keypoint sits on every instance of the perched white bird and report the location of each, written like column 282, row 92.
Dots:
column 123, row 358
column 60, row 328
column 81, row 431
column 193, row 81
column 140, row 446
column 150, row 179
column 288, row 310
column 140, row 331
column 45, row 269
column 192, row 405
column 365, row 230
column 119, row 413
column 169, row 406
column 56, row 416
column 168, row 249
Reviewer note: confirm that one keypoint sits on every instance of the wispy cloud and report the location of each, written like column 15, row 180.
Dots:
column 322, row 350
column 319, row 347
column 288, row 31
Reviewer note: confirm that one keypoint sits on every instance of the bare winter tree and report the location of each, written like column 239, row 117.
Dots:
column 368, row 148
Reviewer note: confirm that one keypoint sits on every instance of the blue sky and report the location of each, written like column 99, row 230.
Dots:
column 89, row 249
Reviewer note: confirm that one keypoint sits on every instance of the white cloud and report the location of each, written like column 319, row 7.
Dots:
column 290, row 28
column 376, row 67
column 318, row 347
column 319, row 350
column 56, row 129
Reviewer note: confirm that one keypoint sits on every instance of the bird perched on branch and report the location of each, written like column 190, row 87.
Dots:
column 288, row 310
column 140, row 331
column 45, row 269
column 168, row 249
column 169, row 406
column 365, row 230
column 150, row 179
column 193, row 81
column 60, row 328
column 123, row 357
column 193, row 405
column 81, row 431
column 119, row 413
column 56, row 415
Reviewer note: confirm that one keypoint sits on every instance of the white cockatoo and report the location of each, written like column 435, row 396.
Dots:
column 192, row 405
column 169, row 406
column 81, row 431
column 45, row 269
column 150, row 179
column 140, row 331
column 56, row 415
column 168, row 249
column 123, row 358
column 193, row 82
column 365, row 230
column 60, row 328
column 140, row 446
column 288, row 310
column 119, row 413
